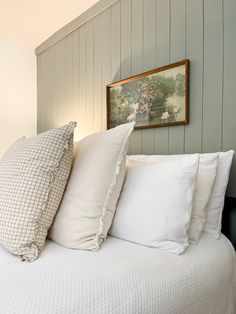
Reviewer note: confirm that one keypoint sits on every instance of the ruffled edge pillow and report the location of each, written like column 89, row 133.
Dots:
column 33, row 176
column 90, row 199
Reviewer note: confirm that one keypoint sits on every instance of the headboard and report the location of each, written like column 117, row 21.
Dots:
column 116, row 39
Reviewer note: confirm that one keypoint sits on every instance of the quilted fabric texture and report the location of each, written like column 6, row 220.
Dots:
column 33, row 176
column 121, row 278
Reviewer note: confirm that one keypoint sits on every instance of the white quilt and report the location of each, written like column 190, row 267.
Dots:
column 121, row 278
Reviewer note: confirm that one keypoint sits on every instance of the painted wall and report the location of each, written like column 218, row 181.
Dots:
column 18, row 95
column 133, row 36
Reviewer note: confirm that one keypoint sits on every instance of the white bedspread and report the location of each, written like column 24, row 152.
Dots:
column 121, row 278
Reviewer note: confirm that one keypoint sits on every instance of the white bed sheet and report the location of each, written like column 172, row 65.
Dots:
column 121, row 278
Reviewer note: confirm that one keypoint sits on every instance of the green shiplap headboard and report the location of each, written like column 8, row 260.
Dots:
column 116, row 39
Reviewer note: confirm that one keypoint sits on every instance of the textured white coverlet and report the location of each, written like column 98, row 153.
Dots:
column 121, row 278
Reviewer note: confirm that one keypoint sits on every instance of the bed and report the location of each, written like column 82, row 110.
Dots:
column 121, row 278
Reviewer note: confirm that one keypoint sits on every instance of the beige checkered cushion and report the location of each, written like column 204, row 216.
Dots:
column 33, row 176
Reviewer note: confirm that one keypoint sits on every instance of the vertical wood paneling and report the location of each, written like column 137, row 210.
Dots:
column 126, row 47
column 177, row 52
column 194, row 50
column 213, row 67
column 161, row 145
column 89, row 77
column 137, row 62
column 149, row 45
column 76, row 82
column 229, row 114
column 83, row 119
column 69, row 112
column 58, row 62
column 48, row 105
column 97, row 83
column 149, row 32
column 115, row 42
column 106, row 61
column 40, row 102
column 137, row 35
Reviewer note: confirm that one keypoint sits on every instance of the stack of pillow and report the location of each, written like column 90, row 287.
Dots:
column 158, row 201
column 168, row 201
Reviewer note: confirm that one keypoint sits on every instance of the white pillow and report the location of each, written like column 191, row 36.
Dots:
column 216, row 203
column 204, row 184
column 155, row 205
column 89, row 202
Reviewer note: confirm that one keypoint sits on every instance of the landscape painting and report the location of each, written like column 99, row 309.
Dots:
column 153, row 99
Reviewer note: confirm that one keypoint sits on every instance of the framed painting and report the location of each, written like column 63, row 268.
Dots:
column 153, row 99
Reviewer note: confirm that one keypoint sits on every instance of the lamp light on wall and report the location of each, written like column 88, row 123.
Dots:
column 80, row 133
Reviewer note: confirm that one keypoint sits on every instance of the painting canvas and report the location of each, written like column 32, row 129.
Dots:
column 153, row 99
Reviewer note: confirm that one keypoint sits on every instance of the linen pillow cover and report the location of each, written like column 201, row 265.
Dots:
column 89, row 202
column 216, row 204
column 33, row 175
column 205, row 181
column 204, row 184
column 155, row 205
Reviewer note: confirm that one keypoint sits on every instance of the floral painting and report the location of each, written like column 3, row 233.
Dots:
column 152, row 99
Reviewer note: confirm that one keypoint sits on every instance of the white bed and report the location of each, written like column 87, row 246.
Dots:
column 121, row 278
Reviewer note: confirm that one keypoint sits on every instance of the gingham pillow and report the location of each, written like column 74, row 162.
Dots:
column 33, row 176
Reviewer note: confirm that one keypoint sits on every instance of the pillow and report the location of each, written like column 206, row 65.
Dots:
column 89, row 202
column 33, row 175
column 204, row 184
column 216, row 203
column 155, row 205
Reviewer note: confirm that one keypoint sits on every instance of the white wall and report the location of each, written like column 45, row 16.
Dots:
column 18, row 100
column 23, row 26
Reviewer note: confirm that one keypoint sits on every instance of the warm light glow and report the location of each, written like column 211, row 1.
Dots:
column 78, row 138
column 80, row 134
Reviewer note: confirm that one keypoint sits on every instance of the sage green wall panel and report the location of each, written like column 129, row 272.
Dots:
column 137, row 60
column 125, row 30
column 126, row 49
column 97, row 87
column 149, row 63
column 106, row 61
column 229, row 108
column 47, row 108
column 70, row 111
column 149, row 35
column 40, row 101
column 132, row 36
column 213, row 74
column 115, row 42
column 89, row 75
column 177, row 52
column 162, row 58
column 194, row 51
column 55, row 94
column 75, row 101
column 83, row 117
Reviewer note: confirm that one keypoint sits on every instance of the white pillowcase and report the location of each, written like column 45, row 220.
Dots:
column 89, row 202
column 204, row 184
column 155, row 205
column 216, row 203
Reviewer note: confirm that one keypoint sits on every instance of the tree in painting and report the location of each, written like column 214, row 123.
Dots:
column 152, row 99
